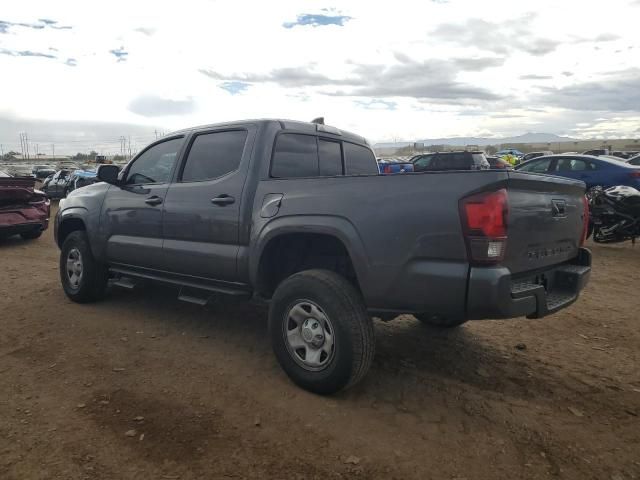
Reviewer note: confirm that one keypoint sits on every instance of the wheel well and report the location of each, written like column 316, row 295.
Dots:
column 290, row 253
column 67, row 226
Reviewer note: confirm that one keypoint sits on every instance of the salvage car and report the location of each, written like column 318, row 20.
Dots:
column 55, row 186
column 297, row 214
column 79, row 179
column 24, row 210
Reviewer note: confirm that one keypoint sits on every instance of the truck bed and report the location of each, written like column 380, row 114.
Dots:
column 405, row 235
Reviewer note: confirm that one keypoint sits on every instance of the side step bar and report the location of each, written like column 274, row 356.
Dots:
column 194, row 290
column 193, row 297
column 125, row 282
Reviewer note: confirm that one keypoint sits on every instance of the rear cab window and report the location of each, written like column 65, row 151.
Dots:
column 359, row 160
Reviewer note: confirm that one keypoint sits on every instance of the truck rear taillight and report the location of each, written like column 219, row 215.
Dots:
column 635, row 174
column 585, row 219
column 484, row 221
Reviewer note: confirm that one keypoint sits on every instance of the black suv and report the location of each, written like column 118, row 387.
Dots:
column 430, row 162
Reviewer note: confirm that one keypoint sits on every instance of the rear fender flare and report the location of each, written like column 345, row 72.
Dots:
column 334, row 226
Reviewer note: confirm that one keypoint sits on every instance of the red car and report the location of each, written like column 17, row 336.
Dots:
column 23, row 209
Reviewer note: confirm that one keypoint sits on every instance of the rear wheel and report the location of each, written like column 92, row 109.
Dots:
column 31, row 235
column 321, row 333
column 83, row 278
column 438, row 322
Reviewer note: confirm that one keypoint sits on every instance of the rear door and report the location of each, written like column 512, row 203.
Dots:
column 202, row 207
column 132, row 212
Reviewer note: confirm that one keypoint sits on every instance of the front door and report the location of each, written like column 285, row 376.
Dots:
column 132, row 212
column 202, row 207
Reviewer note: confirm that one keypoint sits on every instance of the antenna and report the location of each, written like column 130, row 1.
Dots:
column 318, row 120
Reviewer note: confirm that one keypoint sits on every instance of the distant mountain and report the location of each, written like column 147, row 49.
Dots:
column 483, row 141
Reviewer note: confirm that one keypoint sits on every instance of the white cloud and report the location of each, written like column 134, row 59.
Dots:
column 402, row 70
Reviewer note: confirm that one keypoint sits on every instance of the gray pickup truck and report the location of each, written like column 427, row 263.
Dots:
column 297, row 214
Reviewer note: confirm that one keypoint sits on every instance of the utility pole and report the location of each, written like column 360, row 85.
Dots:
column 53, row 151
column 156, row 132
column 123, row 145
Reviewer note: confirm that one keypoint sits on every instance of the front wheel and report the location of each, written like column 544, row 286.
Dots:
column 321, row 333
column 83, row 278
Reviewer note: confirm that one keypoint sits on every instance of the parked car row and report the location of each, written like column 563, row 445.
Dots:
column 592, row 170
column 62, row 182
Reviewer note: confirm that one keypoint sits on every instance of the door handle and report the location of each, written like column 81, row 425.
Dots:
column 223, row 200
column 154, row 200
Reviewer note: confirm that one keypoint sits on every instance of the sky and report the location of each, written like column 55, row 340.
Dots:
column 78, row 74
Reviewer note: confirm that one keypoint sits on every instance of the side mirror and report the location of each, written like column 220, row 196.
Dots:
column 108, row 173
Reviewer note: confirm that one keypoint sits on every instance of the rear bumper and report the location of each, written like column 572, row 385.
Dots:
column 24, row 219
column 9, row 230
column 495, row 293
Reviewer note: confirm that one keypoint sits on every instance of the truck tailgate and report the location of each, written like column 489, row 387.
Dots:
column 545, row 221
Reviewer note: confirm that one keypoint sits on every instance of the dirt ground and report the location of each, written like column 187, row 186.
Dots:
column 142, row 386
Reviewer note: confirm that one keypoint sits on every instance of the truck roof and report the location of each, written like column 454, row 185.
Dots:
column 293, row 125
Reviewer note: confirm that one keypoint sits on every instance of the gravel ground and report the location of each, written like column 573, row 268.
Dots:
column 141, row 385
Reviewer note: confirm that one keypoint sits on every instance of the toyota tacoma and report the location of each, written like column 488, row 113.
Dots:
column 297, row 214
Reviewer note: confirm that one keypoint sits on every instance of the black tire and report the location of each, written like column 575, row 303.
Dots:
column 32, row 234
column 93, row 282
column 439, row 322
column 353, row 336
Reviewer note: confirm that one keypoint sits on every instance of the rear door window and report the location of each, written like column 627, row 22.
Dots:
column 295, row 155
column 213, row 155
column 573, row 165
column 330, row 158
column 359, row 160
